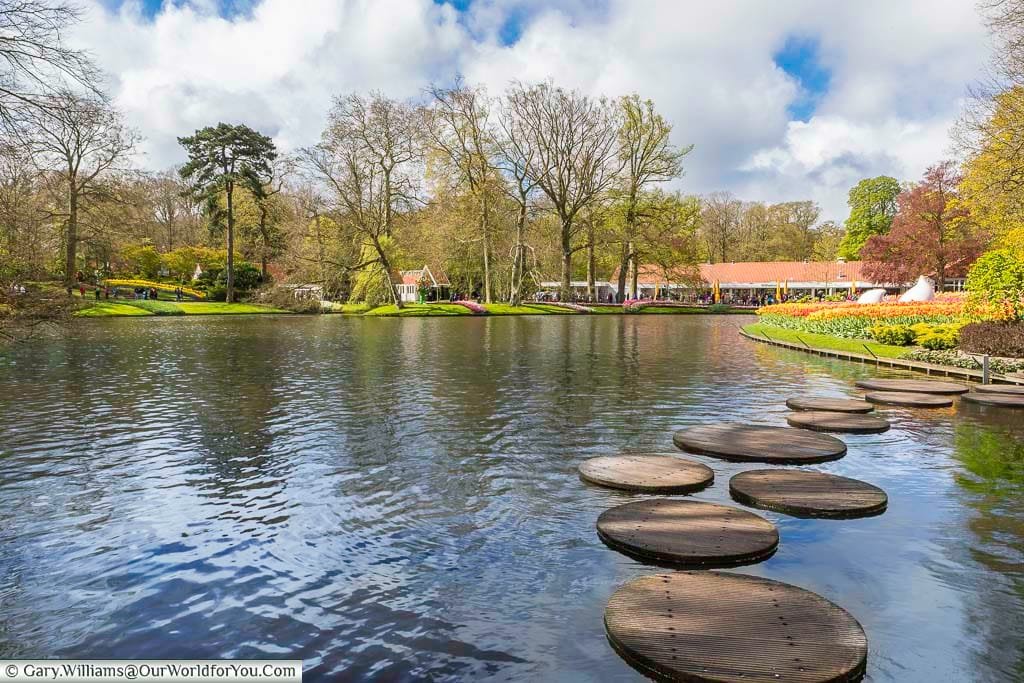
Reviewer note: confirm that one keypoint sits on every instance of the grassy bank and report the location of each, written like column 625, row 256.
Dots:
column 824, row 341
column 132, row 308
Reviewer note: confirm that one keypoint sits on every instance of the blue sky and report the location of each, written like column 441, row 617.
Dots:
column 783, row 100
column 800, row 58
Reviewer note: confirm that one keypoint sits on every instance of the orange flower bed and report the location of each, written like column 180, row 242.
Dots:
column 852, row 320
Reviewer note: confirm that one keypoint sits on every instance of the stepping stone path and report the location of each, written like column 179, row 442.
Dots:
column 752, row 443
column 1001, row 400
column 688, row 533
column 906, row 398
column 719, row 626
column 835, row 405
column 647, row 473
column 1010, row 389
column 802, row 493
column 822, row 421
column 917, row 386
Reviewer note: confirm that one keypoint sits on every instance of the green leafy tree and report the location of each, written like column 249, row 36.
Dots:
column 220, row 158
column 872, row 207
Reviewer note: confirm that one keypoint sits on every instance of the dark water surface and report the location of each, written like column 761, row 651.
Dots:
column 397, row 499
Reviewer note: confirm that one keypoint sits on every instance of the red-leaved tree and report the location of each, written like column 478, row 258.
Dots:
column 932, row 234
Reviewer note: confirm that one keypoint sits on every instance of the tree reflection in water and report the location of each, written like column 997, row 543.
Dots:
column 993, row 480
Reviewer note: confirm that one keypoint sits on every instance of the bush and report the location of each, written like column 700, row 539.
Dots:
column 284, row 298
column 893, row 335
column 994, row 338
column 937, row 342
column 718, row 308
column 997, row 280
column 216, row 293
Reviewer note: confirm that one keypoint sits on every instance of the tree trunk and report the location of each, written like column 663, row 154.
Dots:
column 623, row 272
column 591, row 263
column 566, row 290
column 518, row 264
column 635, row 272
column 71, row 253
column 485, row 230
column 387, row 273
column 230, row 297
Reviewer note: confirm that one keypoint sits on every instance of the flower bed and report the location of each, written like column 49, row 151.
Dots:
column 853, row 320
column 473, row 306
column 571, row 307
column 163, row 286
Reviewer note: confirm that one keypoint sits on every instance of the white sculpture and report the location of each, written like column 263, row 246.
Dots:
column 872, row 296
column 923, row 290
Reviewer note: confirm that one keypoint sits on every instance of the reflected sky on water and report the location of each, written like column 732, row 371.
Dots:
column 397, row 498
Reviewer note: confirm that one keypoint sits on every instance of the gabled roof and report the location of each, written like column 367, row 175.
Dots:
column 435, row 276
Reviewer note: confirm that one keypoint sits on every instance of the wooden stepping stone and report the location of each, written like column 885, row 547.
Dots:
column 802, row 493
column 917, row 386
column 906, row 398
column 835, row 405
column 823, row 421
column 688, row 533
column 725, row 627
column 754, row 443
column 1001, row 400
column 1011, row 389
column 647, row 473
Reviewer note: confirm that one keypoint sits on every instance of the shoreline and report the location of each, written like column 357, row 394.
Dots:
column 881, row 360
column 159, row 308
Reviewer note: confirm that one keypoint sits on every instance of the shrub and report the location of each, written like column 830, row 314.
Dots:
column 994, row 338
column 217, row 293
column 894, row 335
column 937, row 341
column 996, row 281
column 718, row 308
column 284, row 298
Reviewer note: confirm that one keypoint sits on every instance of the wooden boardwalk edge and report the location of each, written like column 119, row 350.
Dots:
column 917, row 366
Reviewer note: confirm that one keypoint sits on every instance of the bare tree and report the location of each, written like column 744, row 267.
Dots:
column 460, row 128
column 720, row 224
column 516, row 158
column 575, row 158
column 35, row 64
column 79, row 139
column 367, row 158
column 649, row 157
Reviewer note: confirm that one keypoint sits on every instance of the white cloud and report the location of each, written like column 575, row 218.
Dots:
column 898, row 73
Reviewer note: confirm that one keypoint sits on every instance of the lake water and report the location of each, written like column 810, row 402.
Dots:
column 397, row 498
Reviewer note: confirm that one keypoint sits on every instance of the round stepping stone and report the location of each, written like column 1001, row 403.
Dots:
column 808, row 494
column 1010, row 389
column 753, row 443
column 822, row 421
column 906, row 398
column 688, row 533
column 1001, row 400
column 835, row 405
column 917, row 386
column 647, row 473
column 725, row 627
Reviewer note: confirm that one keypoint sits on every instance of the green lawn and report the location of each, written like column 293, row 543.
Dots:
column 527, row 309
column 221, row 308
column 349, row 309
column 108, row 309
column 419, row 310
column 824, row 341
